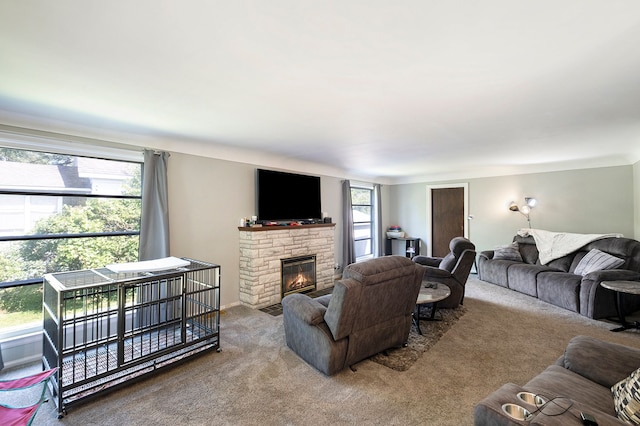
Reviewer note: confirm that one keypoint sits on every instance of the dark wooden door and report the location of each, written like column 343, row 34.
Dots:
column 447, row 218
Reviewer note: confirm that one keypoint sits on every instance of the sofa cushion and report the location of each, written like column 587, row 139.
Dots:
column 584, row 355
column 448, row 262
column 626, row 398
column 530, row 255
column 597, row 260
column 560, row 289
column 558, row 381
column 562, row 263
column 509, row 252
column 522, row 277
column 494, row 271
column 528, row 249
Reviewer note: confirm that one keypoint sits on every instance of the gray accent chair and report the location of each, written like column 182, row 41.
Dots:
column 452, row 270
column 369, row 311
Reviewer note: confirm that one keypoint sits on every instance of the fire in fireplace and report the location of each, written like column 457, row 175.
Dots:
column 298, row 274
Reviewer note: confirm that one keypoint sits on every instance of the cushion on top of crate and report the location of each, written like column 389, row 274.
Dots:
column 161, row 264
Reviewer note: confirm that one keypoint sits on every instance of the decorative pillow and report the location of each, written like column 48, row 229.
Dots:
column 509, row 252
column 626, row 398
column 597, row 260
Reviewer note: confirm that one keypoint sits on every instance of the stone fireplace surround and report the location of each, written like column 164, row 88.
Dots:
column 262, row 248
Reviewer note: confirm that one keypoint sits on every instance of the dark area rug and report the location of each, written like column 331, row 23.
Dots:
column 401, row 359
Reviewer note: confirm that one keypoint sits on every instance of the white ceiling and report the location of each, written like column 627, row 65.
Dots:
column 396, row 91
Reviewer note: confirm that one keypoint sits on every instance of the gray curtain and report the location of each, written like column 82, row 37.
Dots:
column 154, row 226
column 348, row 245
column 379, row 237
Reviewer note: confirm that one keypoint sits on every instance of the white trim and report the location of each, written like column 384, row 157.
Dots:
column 463, row 185
column 360, row 184
column 20, row 330
column 65, row 144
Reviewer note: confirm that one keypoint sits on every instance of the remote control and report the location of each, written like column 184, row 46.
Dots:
column 588, row 419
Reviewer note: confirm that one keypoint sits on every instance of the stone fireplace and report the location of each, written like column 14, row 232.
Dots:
column 262, row 250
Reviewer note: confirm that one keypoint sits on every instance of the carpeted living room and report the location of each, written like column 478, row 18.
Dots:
column 280, row 159
column 503, row 336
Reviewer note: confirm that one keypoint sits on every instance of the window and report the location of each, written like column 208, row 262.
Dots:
column 59, row 213
column 363, row 223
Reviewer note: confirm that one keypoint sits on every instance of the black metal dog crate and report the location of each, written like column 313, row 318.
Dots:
column 103, row 329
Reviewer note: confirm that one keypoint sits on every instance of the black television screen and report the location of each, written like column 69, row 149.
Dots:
column 287, row 196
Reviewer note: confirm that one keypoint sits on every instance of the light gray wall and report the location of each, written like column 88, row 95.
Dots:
column 582, row 201
column 636, row 198
column 207, row 198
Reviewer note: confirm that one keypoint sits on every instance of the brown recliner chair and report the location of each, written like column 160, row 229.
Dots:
column 452, row 270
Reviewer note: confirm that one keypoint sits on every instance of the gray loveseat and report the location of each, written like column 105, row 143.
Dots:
column 556, row 282
column 583, row 377
column 369, row 311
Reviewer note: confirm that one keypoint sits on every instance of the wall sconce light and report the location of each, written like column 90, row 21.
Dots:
column 525, row 210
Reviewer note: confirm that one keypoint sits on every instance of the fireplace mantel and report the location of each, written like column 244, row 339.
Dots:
column 281, row 227
column 262, row 249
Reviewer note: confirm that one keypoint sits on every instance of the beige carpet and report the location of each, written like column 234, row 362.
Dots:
column 256, row 380
column 401, row 359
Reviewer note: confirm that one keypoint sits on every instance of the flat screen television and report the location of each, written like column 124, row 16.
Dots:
column 285, row 196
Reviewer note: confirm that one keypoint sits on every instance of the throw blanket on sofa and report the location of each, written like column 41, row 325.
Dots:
column 554, row 245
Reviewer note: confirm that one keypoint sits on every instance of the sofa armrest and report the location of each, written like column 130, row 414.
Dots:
column 488, row 412
column 435, row 273
column 427, row 261
column 613, row 275
column 602, row 362
column 304, row 308
column 487, row 254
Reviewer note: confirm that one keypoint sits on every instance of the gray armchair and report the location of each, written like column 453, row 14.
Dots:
column 369, row 311
column 452, row 270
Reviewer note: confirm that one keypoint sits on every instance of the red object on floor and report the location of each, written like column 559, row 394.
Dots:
column 23, row 416
column 18, row 416
column 25, row 382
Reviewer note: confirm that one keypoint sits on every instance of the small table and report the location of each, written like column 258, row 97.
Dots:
column 620, row 287
column 412, row 246
column 430, row 294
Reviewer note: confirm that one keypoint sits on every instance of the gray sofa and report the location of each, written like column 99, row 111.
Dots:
column 369, row 311
column 582, row 377
column 556, row 283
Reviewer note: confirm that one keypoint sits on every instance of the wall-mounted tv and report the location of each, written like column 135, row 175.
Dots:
column 282, row 196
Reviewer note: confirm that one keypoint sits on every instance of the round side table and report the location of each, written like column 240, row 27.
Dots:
column 430, row 294
column 620, row 287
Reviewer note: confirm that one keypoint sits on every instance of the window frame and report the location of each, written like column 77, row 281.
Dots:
column 371, row 222
column 77, row 146
column 63, row 193
column 23, row 340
